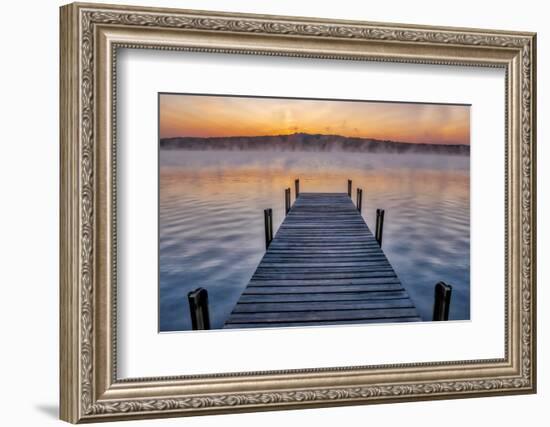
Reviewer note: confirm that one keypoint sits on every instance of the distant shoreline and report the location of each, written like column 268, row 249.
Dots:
column 303, row 142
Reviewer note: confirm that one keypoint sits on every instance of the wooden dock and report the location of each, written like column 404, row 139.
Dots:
column 323, row 267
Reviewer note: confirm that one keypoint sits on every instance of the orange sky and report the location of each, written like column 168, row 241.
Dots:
column 203, row 116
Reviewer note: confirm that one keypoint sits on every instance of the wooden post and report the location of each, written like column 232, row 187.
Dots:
column 297, row 187
column 349, row 187
column 359, row 199
column 442, row 301
column 268, row 225
column 287, row 201
column 198, row 305
column 379, row 225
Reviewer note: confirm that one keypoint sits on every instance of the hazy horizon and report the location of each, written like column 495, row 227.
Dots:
column 215, row 116
column 304, row 133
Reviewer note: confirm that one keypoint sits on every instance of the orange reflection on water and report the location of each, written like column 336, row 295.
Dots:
column 247, row 182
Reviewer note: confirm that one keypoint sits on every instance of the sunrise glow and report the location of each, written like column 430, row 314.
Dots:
column 218, row 116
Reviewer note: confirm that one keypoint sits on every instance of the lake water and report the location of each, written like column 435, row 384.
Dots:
column 212, row 231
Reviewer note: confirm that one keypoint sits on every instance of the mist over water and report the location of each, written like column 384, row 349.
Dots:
column 212, row 232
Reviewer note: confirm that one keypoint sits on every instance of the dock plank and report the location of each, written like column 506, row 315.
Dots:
column 320, row 323
column 323, row 297
column 276, row 307
column 323, row 267
column 323, row 288
column 322, row 315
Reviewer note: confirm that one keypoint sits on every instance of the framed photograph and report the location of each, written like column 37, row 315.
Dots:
column 266, row 212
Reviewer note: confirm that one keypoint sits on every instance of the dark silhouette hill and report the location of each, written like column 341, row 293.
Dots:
column 309, row 142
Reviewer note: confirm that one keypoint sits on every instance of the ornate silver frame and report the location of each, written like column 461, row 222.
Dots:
column 90, row 36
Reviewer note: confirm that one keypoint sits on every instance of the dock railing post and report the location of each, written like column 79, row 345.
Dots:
column 349, row 187
column 359, row 199
column 297, row 187
column 287, row 201
column 268, row 225
column 442, row 301
column 198, row 305
column 379, row 225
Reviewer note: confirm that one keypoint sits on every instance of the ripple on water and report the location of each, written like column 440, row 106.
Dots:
column 211, row 220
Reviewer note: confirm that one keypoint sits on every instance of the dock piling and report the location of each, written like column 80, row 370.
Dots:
column 198, row 305
column 442, row 301
column 349, row 187
column 297, row 187
column 287, row 200
column 359, row 199
column 379, row 225
column 268, row 225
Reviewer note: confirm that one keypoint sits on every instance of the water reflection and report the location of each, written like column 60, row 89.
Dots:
column 211, row 220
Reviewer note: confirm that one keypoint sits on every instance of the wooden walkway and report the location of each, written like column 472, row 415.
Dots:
column 323, row 267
